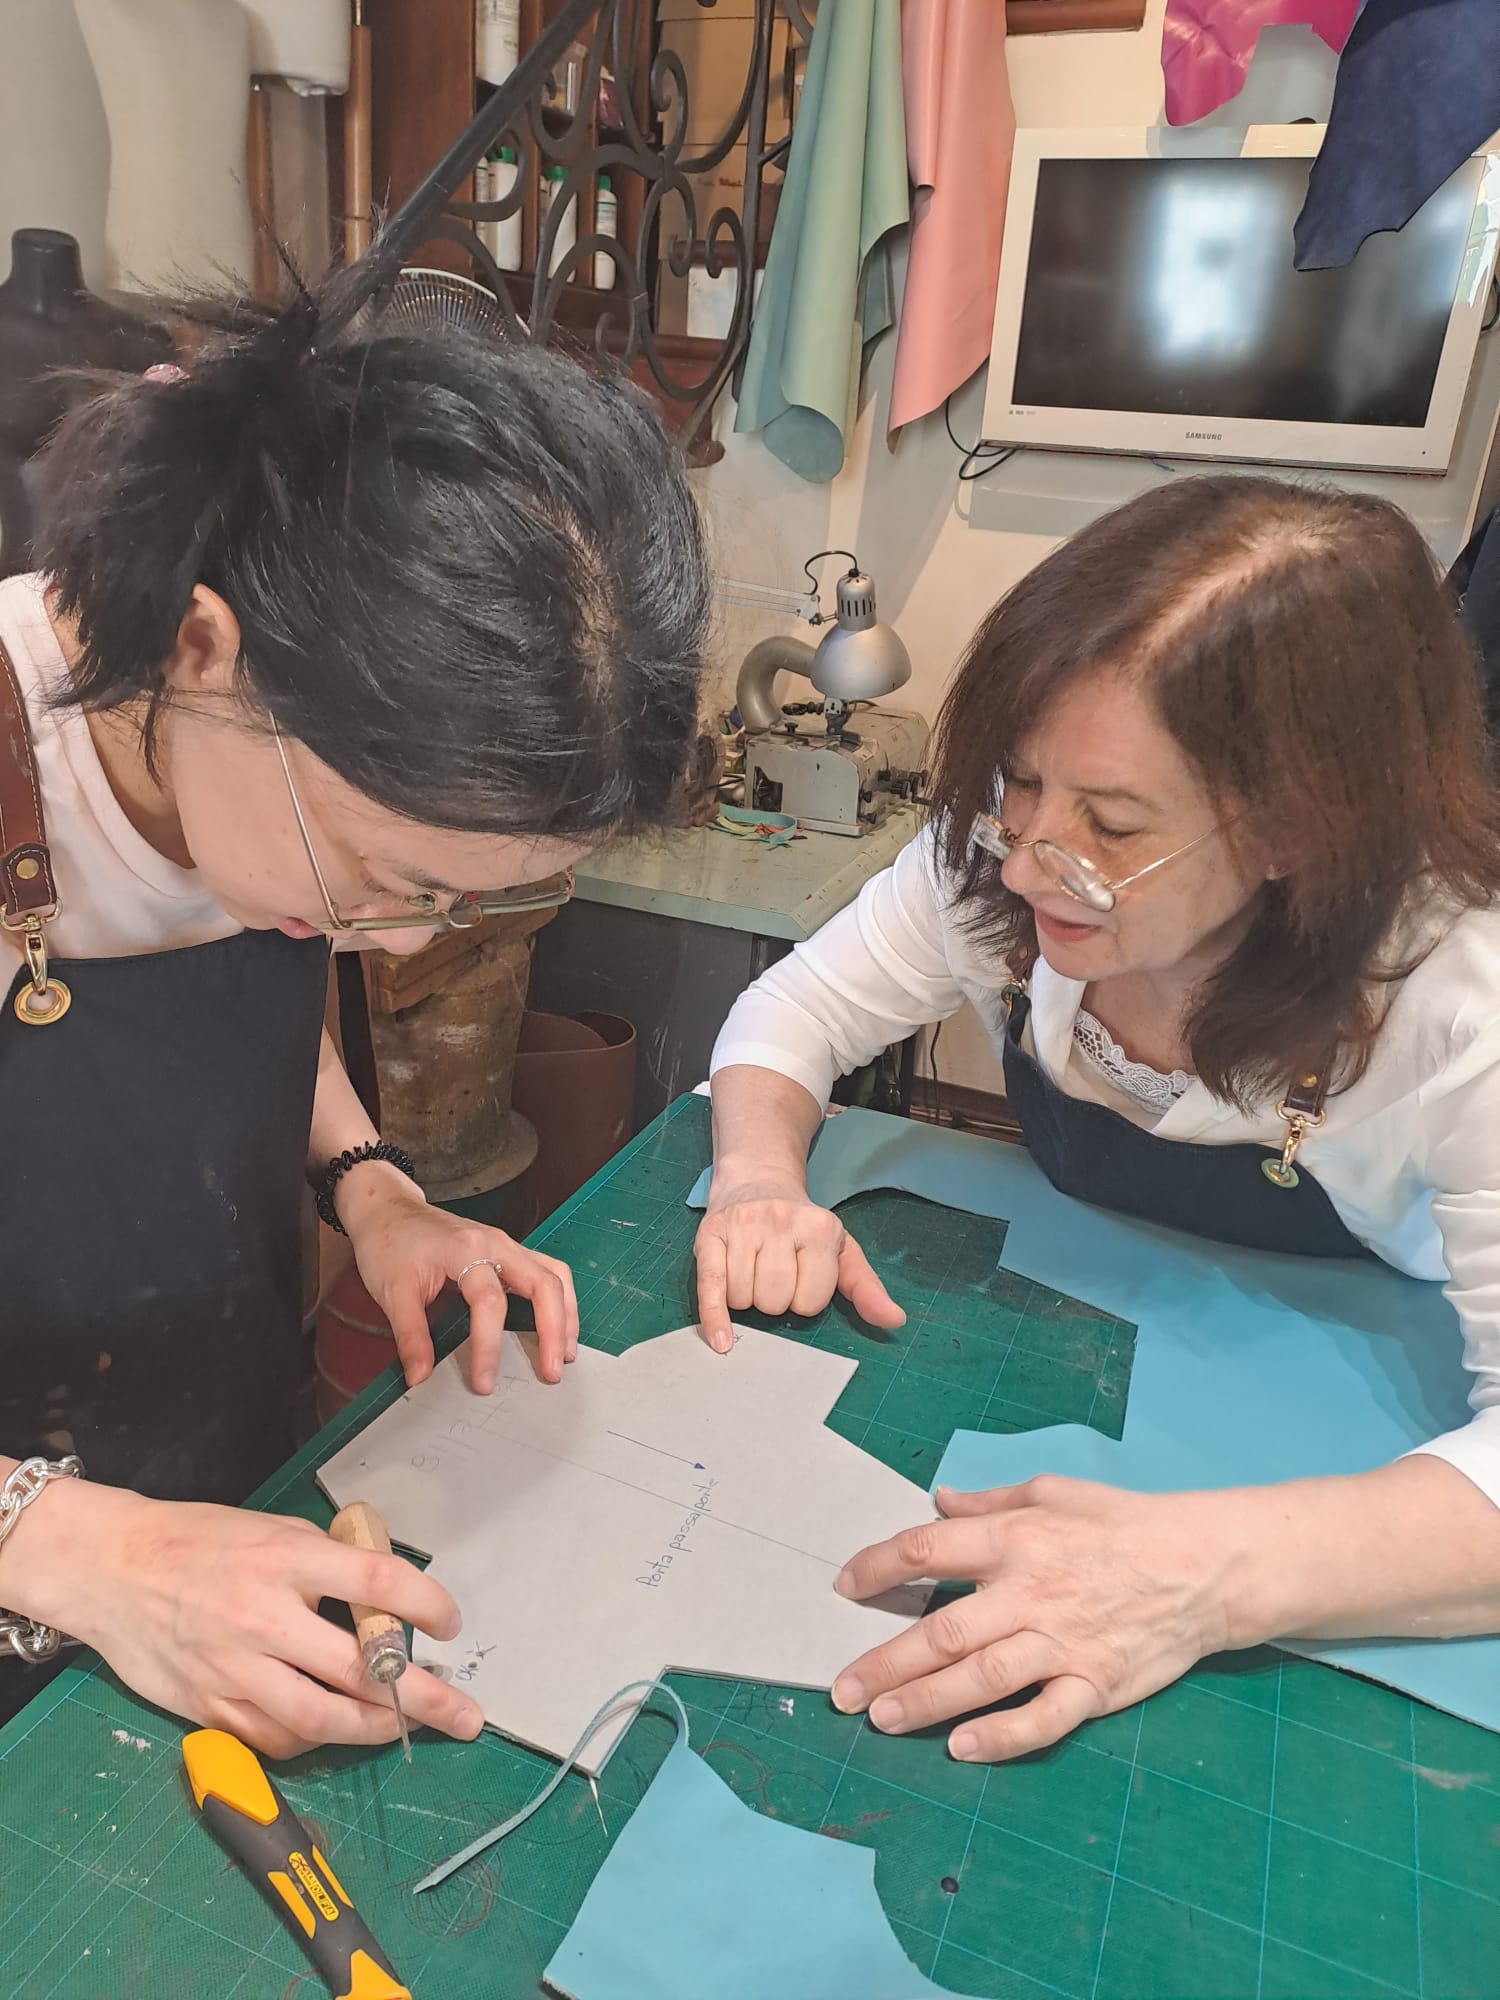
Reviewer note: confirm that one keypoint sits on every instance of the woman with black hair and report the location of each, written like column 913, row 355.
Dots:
column 325, row 637
column 1215, row 855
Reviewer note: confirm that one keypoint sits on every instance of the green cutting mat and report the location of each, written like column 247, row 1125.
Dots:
column 1266, row 1828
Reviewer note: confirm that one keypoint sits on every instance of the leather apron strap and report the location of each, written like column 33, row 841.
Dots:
column 1301, row 1110
column 28, row 892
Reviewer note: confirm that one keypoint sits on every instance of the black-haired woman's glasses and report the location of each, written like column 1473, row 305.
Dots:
column 424, row 911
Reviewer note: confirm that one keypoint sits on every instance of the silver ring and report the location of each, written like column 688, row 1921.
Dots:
column 479, row 1264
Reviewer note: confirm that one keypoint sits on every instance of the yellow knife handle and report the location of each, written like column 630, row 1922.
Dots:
column 382, row 1637
column 242, row 1806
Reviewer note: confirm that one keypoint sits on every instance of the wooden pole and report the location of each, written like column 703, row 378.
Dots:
column 266, row 276
column 358, row 200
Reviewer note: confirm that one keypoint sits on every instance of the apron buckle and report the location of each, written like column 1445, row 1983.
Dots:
column 1282, row 1173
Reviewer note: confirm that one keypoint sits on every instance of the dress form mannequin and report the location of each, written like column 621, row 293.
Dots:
column 175, row 79
column 304, row 42
column 54, row 141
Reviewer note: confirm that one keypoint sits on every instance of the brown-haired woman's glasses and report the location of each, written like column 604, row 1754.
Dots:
column 1076, row 877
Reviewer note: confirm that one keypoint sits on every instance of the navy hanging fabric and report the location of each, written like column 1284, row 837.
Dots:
column 1475, row 579
column 1418, row 90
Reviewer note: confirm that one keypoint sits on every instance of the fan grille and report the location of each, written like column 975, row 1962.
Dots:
column 432, row 301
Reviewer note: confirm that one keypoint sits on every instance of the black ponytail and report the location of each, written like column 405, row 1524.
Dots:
column 469, row 575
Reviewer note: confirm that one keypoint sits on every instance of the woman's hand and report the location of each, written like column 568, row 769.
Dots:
column 1094, row 1596
column 764, row 1245
column 211, row 1612
column 407, row 1251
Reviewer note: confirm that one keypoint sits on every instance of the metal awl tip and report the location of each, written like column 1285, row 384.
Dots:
column 401, row 1722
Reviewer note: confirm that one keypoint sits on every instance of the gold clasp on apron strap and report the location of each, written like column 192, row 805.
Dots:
column 1010, row 993
column 1302, row 1111
column 46, row 999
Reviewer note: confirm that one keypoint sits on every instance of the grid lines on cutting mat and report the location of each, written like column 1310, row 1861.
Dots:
column 1267, row 1829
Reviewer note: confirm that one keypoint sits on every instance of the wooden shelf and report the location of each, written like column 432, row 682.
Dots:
column 1061, row 17
column 422, row 96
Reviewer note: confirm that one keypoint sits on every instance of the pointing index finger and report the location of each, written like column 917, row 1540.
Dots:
column 713, row 1292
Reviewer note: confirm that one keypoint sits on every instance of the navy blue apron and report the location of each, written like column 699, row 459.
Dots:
column 1220, row 1192
column 151, row 1223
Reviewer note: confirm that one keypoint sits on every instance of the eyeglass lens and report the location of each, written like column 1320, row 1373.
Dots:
column 1075, row 877
column 1072, row 874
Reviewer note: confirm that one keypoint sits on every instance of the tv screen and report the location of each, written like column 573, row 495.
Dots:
column 1166, row 285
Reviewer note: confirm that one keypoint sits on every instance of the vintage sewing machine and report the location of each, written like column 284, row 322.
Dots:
column 841, row 763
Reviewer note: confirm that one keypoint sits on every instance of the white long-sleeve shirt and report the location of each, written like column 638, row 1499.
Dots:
column 1409, row 1156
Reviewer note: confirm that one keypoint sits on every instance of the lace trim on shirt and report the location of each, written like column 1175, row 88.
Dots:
column 1147, row 1086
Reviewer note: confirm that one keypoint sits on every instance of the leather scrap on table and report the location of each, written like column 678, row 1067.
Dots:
column 774, row 828
column 701, row 1894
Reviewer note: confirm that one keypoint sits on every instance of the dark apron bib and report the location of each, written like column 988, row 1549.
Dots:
column 1218, row 1192
column 151, row 1221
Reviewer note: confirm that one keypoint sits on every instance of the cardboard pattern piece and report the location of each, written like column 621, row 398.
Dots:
column 1249, row 1367
column 702, row 1895
column 668, row 1507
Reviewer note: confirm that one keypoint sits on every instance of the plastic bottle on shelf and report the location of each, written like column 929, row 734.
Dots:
column 484, row 190
column 567, row 222
column 606, row 223
column 504, row 173
column 497, row 38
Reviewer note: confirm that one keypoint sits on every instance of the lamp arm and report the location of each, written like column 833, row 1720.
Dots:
column 755, row 688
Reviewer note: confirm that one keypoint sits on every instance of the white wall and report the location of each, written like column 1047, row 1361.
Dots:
column 941, row 554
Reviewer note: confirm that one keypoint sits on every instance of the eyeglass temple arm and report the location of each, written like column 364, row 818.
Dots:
column 336, row 922
column 1176, row 855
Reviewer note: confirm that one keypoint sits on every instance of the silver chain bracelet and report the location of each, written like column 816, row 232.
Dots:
column 26, row 1637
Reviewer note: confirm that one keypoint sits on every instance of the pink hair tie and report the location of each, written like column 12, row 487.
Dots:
column 165, row 371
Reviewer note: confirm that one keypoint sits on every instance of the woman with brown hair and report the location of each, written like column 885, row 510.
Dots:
column 1215, row 854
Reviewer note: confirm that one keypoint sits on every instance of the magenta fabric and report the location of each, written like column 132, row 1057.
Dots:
column 1206, row 45
column 960, row 129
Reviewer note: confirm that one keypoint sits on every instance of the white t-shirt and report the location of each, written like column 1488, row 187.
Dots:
column 1409, row 1157
column 117, row 897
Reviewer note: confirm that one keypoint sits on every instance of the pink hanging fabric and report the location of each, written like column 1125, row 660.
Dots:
column 1206, row 45
column 960, row 128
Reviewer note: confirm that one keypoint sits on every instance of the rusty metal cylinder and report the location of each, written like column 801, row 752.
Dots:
column 445, row 1066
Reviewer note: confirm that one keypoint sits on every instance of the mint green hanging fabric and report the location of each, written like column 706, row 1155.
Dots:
column 827, row 291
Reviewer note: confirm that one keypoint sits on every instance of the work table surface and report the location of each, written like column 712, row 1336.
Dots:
column 703, row 875
column 1268, row 1828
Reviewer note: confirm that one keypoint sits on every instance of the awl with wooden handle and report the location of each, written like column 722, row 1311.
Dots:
column 382, row 1637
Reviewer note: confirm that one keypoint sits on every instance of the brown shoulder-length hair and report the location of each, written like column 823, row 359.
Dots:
column 1304, row 652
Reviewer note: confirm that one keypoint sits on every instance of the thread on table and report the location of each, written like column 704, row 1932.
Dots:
column 643, row 1691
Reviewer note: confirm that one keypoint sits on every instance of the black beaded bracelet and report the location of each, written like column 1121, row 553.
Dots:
column 356, row 1156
